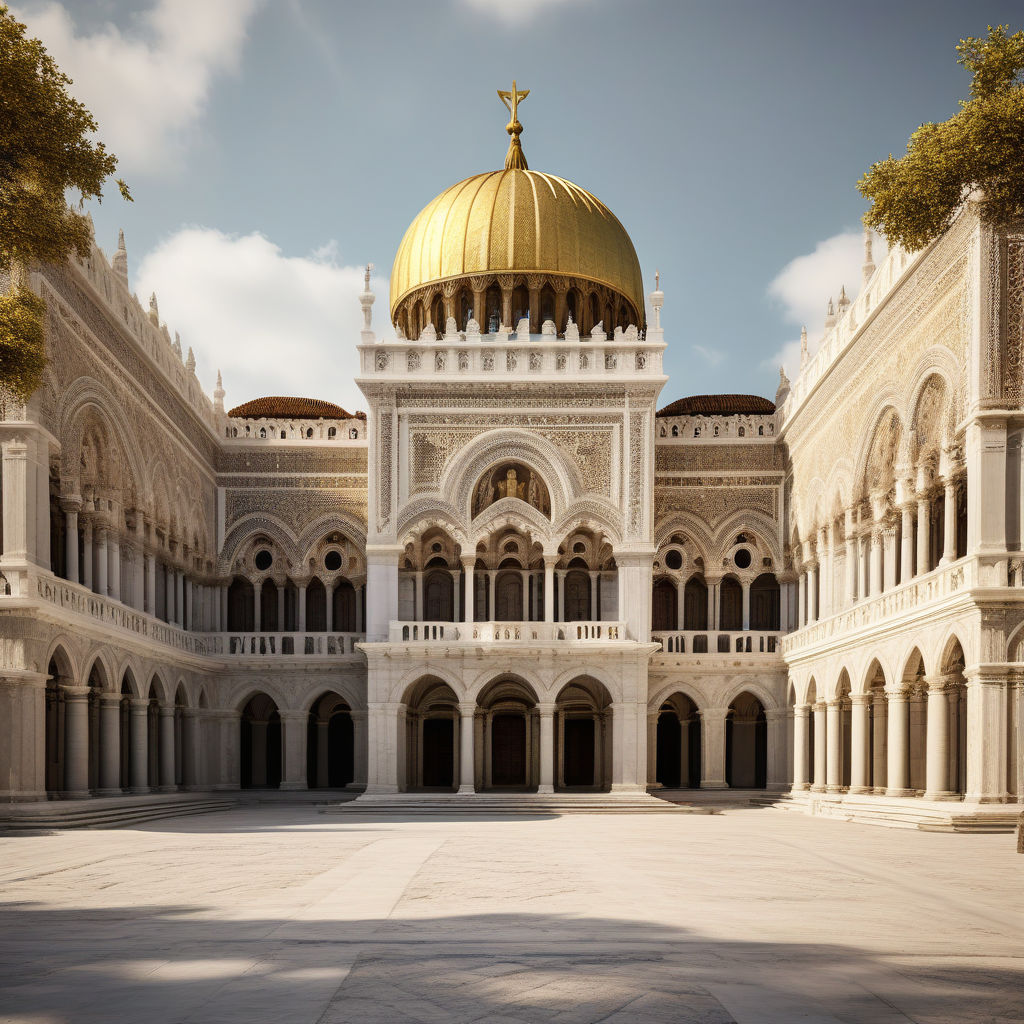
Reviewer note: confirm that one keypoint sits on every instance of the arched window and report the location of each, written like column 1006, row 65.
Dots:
column 695, row 604
column 764, row 603
column 331, row 433
column 316, row 606
column 577, row 596
column 730, row 614
column 344, row 600
column 664, row 615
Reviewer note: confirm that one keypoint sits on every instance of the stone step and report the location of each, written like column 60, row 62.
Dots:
column 519, row 803
column 926, row 816
column 103, row 814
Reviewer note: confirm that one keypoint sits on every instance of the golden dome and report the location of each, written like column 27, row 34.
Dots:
column 521, row 222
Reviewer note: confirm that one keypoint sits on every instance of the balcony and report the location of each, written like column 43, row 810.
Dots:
column 283, row 645
column 890, row 607
column 506, row 632
column 714, row 643
column 74, row 599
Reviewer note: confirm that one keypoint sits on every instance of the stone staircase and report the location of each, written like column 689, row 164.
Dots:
column 510, row 803
column 107, row 812
column 896, row 812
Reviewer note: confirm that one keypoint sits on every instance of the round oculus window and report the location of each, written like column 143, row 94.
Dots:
column 742, row 558
column 674, row 560
column 332, row 561
column 264, row 560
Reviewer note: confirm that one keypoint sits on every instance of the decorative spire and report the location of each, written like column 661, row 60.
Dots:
column 120, row 260
column 804, row 351
column 657, row 298
column 190, row 363
column 869, row 264
column 782, row 392
column 830, row 315
column 366, row 300
column 154, row 310
column 843, row 300
column 218, row 394
column 515, row 160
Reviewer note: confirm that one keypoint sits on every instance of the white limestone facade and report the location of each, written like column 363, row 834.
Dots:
column 514, row 573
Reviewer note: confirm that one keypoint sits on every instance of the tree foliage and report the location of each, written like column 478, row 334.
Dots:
column 915, row 198
column 46, row 151
column 22, row 352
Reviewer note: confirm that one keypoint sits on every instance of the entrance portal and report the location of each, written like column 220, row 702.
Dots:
column 578, row 752
column 438, row 753
column 508, row 750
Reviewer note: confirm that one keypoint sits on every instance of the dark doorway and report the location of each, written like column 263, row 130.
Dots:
column 508, row 750
column 578, row 752
column 438, row 753
column 670, row 750
column 577, row 597
column 260, row 744
column 664, row 615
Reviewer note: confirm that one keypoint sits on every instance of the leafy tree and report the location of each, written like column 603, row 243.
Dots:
column 45, row 152
column 915, row 198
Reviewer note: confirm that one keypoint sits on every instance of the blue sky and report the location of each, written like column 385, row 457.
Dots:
column 275, row 147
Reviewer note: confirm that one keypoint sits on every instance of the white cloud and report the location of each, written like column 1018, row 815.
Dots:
column 805, row 284
column 147, row 85
column 515, row 12
column 274, row 324
column 711, row 356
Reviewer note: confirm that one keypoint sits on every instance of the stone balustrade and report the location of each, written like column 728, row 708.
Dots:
column 271, row 645
column 498, row 355
column 714, row 642
column 74, row 598
column 506, row 632
column 905, row 599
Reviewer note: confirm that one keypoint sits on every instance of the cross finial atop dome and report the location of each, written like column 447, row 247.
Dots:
column 515, row 160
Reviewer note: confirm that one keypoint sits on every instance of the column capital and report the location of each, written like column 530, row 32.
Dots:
column 109, row 699
column 468, row 561
column 802, row 710
column 74, row 692
column 546, row 707
column 70, row 502
column 860, row 699
column 467, row 710
column 139, row 703
column 167, row 710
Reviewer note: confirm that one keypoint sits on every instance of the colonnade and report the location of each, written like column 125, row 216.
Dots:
column 897, row 742
column 132, row 567
column 542, row 592
column 876, row 550
column 296, row 617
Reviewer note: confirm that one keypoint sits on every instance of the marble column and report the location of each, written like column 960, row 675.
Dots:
column 987, row 709
column 800, row 747
column 775, row 777
column 746, row 603
column 140, row 744
column 76, row 740
column 167, row 766
column 87, row 553
column 937, row 740
column 820, row 739
column 257, row 597
column 101, row 559
column 110, row 745
column 302, row 607
column 879, row 754
column 907, row 542
column 850, row 569
column 294, row 728
column 492, row 580
column 594, row 576
column 547, row 748
column 652, row 750
column 860, row 739
column 114, row 565
column 468, row 568
column 71, row 507
column 549, row 587
column 949, row 524
column 897, row 742
column 834, row 746
column 713, row 748
column 359, row 752
column 467, row 755
column 151, row 584
column 924, row 512
column 876, row 582
column 561, row 596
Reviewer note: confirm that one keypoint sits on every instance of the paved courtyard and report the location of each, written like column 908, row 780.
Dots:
column 281, row 914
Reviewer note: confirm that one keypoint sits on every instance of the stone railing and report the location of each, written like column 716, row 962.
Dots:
column 271, row 645
column 500, row 355
column 76, row 599
column 907, row 598
column 712, row 642
column 506, row 632
column 849, row 323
